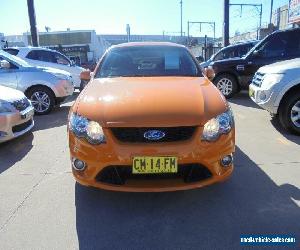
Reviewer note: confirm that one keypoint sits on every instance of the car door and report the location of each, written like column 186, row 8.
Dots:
column 293, row 45
column 270, row 51
column 8, row 77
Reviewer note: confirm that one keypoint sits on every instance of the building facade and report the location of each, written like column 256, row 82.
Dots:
column 82, row 44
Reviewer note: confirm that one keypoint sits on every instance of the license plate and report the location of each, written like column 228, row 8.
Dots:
column 154, row 165
column 251, row 92
column 27, row 114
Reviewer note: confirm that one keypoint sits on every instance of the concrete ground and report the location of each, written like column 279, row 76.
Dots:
column 41, row 206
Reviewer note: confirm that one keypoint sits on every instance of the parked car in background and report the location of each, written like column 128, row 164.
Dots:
column 231, row 51
column 276, row 88
column 43, row 57
column 171, row 129
column 16, row 114
column 45, row 87
column 232, row 75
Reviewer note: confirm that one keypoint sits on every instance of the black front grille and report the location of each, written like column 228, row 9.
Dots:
column 118, row 175
column 22, row 104
column 21, row 127
column 257, row 79
column 136, row 135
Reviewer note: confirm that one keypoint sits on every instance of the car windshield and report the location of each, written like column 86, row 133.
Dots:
column 148, row 61
column 14, row 59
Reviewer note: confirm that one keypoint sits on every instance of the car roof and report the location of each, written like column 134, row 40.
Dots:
column 29, row 48
column 140, row 44
column 287, row 30
column 242, row 43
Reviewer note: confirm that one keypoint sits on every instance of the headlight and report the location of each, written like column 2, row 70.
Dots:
column 222, row 124
column 95, row 133
column 62, row 76
column 5, row 107
column 271, row 79
column 84, row 128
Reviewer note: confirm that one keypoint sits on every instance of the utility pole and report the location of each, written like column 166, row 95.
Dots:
column 226, row 24
column 128, row 32
column 180, row 18
column 32, row 21
column 271, row 12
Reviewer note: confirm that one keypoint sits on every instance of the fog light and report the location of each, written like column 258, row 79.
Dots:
column 78, row 164
column 226, row 161
column 262, row 96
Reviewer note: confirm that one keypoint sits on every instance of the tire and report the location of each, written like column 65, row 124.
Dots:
column 227, row 84
column 42, row 99
column 83, row 83
column 289, row 113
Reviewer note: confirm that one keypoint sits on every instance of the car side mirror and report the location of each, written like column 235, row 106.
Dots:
column 72, row 63
column 209, row 73
column 4, row 64
column 257, row 53
column 85, row 75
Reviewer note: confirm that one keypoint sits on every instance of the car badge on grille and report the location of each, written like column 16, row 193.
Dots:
column 154, row 135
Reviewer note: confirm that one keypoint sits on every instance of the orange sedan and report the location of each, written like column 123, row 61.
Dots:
column 150, row 121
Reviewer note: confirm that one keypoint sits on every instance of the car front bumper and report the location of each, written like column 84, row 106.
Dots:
column 116, row 154
column 63, row 88
column 13, row 125
column 265, row 98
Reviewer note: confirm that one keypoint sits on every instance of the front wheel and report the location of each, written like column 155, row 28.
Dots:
column 289, row 113
column 42, row 99
column 227, row 84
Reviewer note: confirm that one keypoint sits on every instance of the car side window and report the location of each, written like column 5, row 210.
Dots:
column 41, row 55
column 60, row 59
column 293, row 45
column 13, row 52
column 219, row 56
column 243, row 50
column 274, row 47
column 229, row 53
column 33, row 55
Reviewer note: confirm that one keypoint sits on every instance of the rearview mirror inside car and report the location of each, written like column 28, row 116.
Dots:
column 85, row 75
column 4, row 64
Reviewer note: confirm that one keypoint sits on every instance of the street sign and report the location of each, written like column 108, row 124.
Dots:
column 294, row 11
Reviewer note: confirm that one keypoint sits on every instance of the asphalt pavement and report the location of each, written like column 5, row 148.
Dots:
column 41, row 206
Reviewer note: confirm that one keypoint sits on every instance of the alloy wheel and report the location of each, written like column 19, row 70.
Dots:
column 225, row 85
column 295, row 114
column 40, row 101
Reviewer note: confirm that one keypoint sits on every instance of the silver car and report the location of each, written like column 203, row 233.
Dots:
column 43, row 57
column 16, row 114
column 45, row 87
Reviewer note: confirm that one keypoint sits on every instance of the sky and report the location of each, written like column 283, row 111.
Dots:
column 144, row 16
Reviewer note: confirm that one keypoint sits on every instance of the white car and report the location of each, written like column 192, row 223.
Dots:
column 16, row 114
column 276, row 88
column 45, row 87
column 43, row 57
